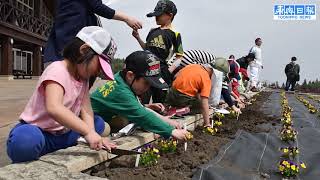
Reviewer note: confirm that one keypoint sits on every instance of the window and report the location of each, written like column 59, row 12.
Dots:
column 26, row 6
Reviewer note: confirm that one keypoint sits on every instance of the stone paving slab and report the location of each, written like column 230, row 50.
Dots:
column 81, row 157
column 41, row 171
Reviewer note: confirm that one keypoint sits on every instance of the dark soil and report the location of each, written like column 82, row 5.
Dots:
column 201, row 149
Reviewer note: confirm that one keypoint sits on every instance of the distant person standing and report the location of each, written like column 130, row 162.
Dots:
column 71, row 17
column 256, row 66
column 292, row 71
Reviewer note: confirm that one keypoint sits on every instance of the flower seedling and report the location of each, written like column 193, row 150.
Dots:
column 289, row 168
column 286, row 121
column 210, row 130
column 150, row 156
column 218, row 116
column 311, row 108
column 167, row 146
column 289, row 152
column 288, row 134
column 233, row 114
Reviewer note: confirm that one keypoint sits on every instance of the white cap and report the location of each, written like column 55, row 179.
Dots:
column 102, row 43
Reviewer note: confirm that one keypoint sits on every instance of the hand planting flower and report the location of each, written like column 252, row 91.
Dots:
column 150, row 156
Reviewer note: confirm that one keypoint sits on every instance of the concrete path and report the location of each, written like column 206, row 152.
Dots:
column 14, row 95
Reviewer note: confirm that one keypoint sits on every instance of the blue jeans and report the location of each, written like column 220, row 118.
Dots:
column 27, row 142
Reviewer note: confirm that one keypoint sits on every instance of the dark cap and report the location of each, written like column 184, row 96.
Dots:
column 147, row 65
column 293, row 58
column 163, row 6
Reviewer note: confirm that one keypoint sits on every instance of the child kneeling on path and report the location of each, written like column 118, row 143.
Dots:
column 59, row 111
column 119, row 98
column 192, row 87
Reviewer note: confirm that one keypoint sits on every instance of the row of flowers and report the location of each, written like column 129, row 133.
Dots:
column 152, row 152
column 287, row 166
column 315, row 98
column 310, row 107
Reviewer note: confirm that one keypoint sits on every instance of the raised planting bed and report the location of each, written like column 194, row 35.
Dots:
column 201, row 149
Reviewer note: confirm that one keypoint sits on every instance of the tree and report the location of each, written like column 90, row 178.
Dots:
column 304, row 83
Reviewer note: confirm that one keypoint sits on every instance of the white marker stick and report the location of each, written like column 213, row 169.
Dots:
column 238, row 116
column 211, row 123
column 138, row 158
column 185, row 144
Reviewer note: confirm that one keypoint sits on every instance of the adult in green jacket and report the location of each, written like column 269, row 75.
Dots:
column 120, row 97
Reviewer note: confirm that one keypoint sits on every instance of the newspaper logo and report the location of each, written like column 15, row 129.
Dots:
column 294, row 12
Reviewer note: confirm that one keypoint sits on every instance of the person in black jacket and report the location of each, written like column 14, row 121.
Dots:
column 244, row 63
column 71, row 16
column 292, row 71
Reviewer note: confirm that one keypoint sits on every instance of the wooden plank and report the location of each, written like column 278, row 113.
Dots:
column 21, row 34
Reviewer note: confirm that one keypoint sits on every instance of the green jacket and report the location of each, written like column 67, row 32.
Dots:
column 116, row 98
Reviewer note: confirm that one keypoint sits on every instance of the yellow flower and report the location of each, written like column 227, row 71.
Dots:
column 175, row 143
column 293, row 167
column 158, row 156
column 281, row 168
column 288, row 131
column 285, row 150
column 155, row 150
column 303, row 165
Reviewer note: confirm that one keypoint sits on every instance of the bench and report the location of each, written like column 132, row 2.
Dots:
column 21, row 73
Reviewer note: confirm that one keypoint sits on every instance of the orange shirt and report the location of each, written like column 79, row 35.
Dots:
column 192, row 80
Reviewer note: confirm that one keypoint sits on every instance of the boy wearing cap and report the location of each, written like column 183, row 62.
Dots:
column 192, row 87
column 120, row 97
column 163, row 42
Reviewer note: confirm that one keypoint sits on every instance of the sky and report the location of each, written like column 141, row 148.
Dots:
column 224, row 27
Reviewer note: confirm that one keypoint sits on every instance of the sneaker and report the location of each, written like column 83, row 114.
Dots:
column 179, row 112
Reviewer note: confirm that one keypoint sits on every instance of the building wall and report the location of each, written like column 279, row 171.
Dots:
column 21, row 34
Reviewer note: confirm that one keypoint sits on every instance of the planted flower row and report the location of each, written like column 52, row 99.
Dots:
column 287, row 167
column 315, row 98
column 152, row 152
column 310, row 107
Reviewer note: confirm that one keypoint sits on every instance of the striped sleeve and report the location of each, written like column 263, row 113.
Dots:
column 196, row 57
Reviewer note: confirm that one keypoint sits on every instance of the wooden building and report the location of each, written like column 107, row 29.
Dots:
column 24, row 29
